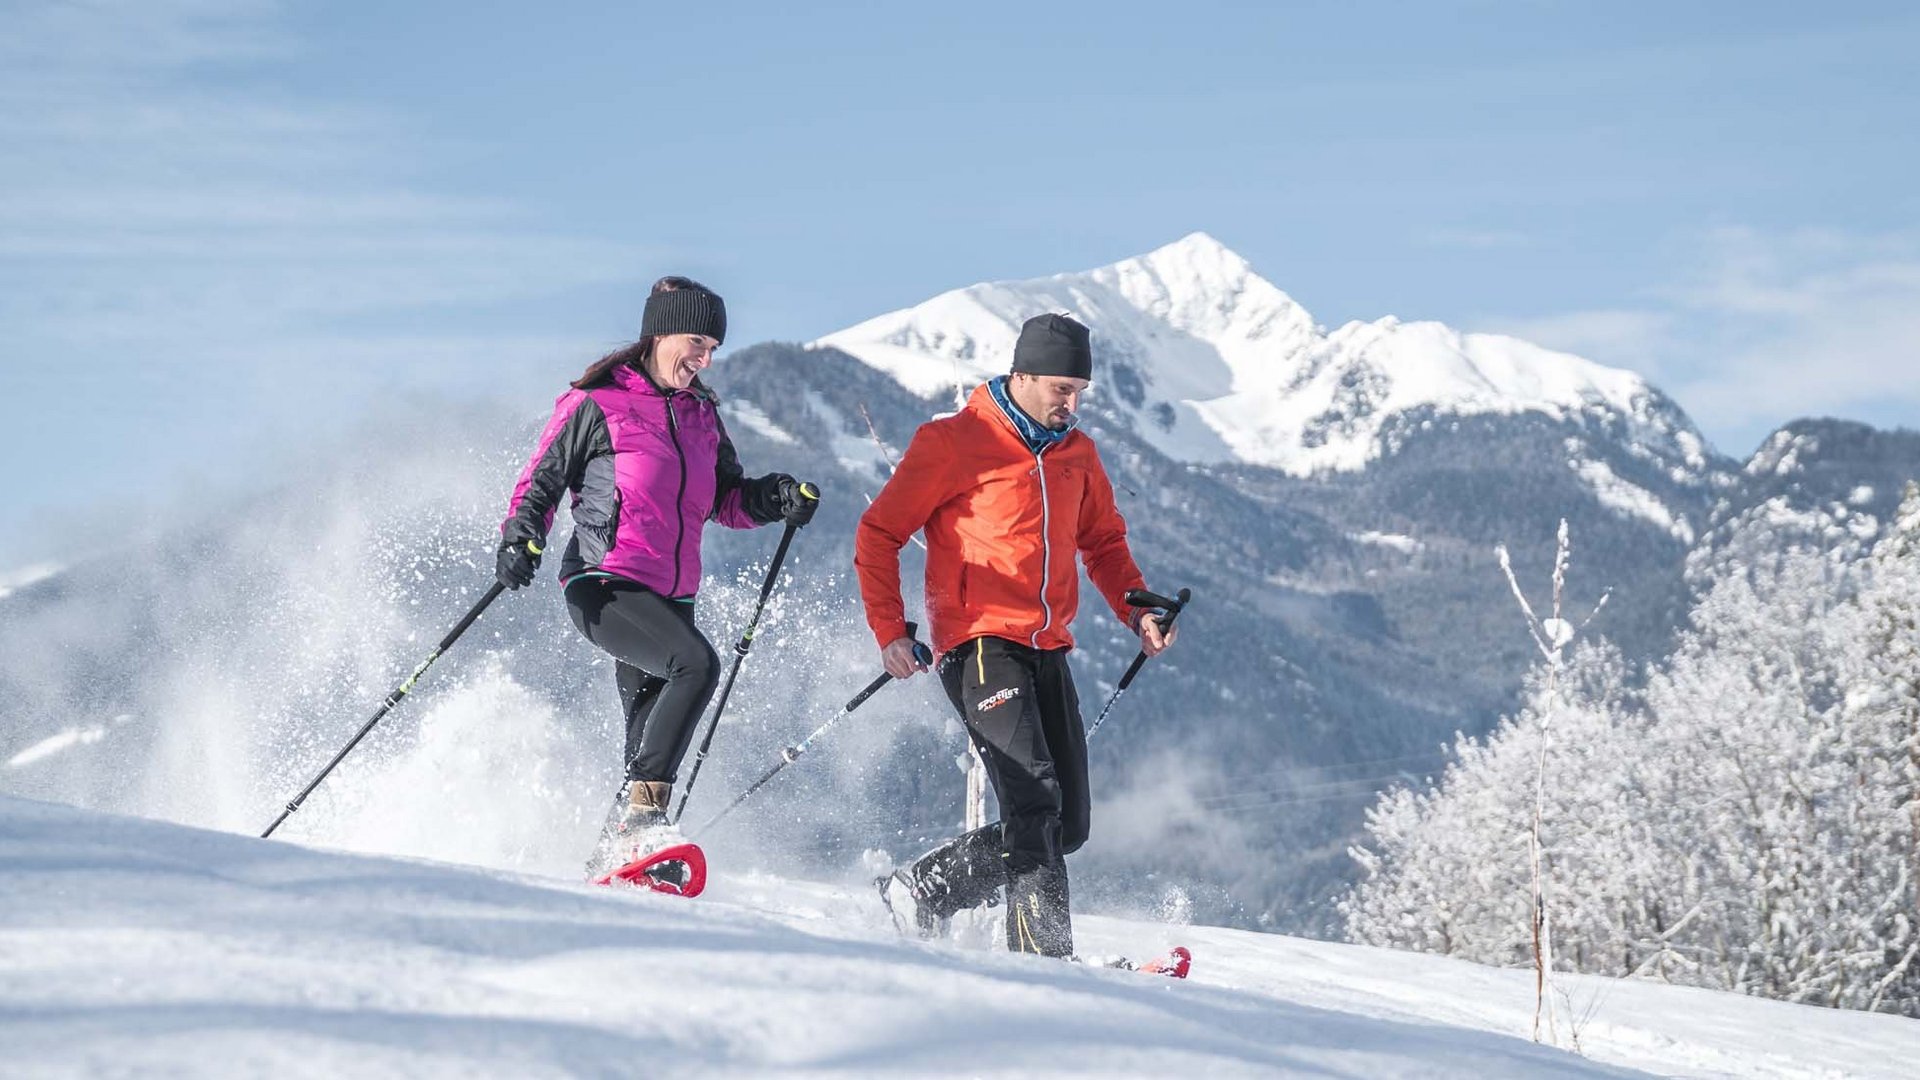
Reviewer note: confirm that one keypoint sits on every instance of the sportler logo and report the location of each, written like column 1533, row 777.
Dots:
column 997, row 700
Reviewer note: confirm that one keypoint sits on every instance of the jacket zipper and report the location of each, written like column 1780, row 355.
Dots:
column 1046, row 548
column 680, row 499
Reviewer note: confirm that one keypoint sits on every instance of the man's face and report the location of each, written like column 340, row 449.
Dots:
column 1050, row 399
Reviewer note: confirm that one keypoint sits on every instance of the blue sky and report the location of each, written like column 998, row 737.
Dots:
column 228, row 224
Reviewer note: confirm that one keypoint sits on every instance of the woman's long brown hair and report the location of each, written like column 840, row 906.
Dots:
column 638, row 353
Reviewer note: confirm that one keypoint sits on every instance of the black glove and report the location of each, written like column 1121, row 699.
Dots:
column 516, row 564
column 797, row 501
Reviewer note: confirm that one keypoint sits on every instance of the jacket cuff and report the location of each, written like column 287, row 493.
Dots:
column 514, row 531
column 888, row 633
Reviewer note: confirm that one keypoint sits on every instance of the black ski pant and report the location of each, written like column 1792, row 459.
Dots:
column 665, row 668
column 1023, row 716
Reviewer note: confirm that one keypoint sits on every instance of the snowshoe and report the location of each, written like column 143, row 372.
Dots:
column 910, row 916
column 638, row 847
column 1174, row 965
column 679, row 869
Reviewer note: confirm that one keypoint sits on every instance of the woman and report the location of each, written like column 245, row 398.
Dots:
column 639, row 444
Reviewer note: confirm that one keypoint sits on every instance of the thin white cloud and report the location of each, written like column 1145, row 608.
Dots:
column 1623, row 337
column 215, row 264
column 1767, row 327
column 134, row 202
column 1812, row 328
column 126, row 40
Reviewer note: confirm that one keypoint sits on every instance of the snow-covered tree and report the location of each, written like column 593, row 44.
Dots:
column 1448, row 870
column 1749, row 821
column 1883, row 726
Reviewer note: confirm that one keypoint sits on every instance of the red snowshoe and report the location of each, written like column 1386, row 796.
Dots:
column 678, row 869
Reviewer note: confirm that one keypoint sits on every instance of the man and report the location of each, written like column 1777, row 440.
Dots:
column 1006, row 492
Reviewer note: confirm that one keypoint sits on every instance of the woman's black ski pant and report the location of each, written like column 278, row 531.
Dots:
column 665, row 668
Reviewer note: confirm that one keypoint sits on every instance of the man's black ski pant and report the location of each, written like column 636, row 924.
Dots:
column 1023, row 715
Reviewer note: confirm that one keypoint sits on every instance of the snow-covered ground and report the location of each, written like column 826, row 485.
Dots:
column 131, row 947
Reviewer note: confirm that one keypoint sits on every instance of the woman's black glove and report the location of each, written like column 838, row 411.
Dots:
column 797, row 500
column 516, row 564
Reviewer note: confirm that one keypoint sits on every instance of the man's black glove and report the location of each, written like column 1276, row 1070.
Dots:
column 797, row 501
column 516, row 564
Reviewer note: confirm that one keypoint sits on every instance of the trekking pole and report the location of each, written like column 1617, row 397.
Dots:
column 740, row 655
column 792, row 753
column 1143, row 599
column 392, row 699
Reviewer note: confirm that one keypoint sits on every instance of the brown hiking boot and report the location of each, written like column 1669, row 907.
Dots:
column 636, row 824
column 649, row 796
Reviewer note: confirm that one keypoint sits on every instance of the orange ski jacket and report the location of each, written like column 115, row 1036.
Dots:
column 1002, row 526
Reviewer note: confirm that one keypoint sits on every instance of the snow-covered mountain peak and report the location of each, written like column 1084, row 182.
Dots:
column 1216, row 364
column 1196, row 259
column 1201, row 286
column 1186, row 323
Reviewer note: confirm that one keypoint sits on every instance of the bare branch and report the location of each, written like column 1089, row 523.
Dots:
column 1604, row 597
column 1533, row 621
column 1560, row 560
column 892, row 465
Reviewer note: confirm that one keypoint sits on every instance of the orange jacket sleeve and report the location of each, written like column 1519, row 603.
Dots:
column 1103, row 544
column 923, row 480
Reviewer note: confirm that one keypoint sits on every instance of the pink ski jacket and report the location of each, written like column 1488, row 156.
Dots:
column 646, row 469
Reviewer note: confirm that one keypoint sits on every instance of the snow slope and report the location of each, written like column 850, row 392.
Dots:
column 1221, row 366
column 134, row 947
column 13, row 580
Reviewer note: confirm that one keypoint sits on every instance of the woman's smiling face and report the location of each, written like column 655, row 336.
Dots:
column 677, row 358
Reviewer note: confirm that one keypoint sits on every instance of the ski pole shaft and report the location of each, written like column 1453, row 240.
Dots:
column 740, row 649
column 793, row 753
column 391, row 700
column 1142, row 598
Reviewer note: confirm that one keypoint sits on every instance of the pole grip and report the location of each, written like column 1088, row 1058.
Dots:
column 1143, row 598
column 1173, row 606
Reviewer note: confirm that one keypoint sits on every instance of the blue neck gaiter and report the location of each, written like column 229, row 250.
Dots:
column 1038, row 436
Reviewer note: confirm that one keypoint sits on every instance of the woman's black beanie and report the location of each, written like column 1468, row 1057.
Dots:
column 685, row 311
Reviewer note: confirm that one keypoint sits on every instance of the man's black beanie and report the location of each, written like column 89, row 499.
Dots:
column 685, row 311
column 1054, row 345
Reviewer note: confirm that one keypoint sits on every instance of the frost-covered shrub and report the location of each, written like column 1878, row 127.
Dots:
column 1748, row 821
